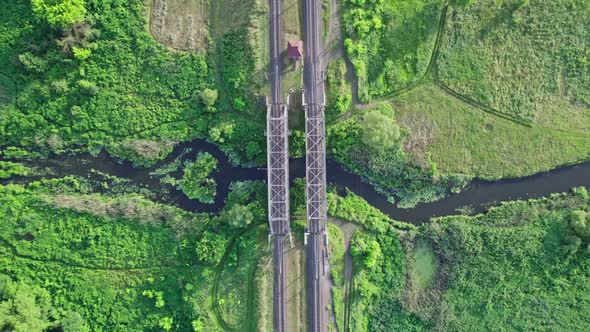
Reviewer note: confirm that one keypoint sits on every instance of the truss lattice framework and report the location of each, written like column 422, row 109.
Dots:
column 278, row 169
column 316, row 168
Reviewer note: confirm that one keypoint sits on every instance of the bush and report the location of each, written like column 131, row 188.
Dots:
column 196, row 181
column 60, row 13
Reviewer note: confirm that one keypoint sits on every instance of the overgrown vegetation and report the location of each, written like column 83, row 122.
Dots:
column 197, row 182
column 339, row 94
column 9, row 169
column 96, row 77
column 156, row 275
column 379, row 267
column 371, row 144
column 514, row 261
column 389, row 42
column 524, row 264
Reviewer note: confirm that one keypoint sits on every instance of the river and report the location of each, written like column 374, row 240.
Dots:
column 478, row 195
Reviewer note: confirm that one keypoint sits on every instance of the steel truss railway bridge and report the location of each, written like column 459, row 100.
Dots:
column 316, row 239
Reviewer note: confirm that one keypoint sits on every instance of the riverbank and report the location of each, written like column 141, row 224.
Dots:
column 475, row 198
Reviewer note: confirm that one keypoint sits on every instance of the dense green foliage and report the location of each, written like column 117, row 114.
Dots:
column 390, row 42
column 339, row 94
column 105, row 78
column 510, row 263
column 238, row 66
column 24, row 307
column 8, row 169
column 60, row 13
column 336, row 253
column 371, row 145
column 518, row 57
column 379, row 265
column 520, row 266
column 197, row 182
column 379, row 129
column 123, row 263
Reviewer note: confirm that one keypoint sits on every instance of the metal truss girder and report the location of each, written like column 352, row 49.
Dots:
column 278, row 169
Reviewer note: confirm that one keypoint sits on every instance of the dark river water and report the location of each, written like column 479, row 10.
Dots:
column 478, row 195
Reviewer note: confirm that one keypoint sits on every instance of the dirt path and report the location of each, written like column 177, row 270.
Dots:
column 220, row 267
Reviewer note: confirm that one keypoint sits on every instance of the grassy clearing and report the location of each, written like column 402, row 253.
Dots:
column 519, row 57
column 180, row 24
column 425, row 264
column 336, row 251
column 264, row 291
column 296, row 287
column 462, row 139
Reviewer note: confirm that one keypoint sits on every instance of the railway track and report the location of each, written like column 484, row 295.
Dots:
column 278, row 170
column 315, row 142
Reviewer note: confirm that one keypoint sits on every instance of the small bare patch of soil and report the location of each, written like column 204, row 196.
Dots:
column 180, row 24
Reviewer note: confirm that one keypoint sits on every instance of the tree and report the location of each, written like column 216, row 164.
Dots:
column 73, row 322
column 209, row 98
column 210, row 248
column 572, row 245
column 196, row 182
column 379, row 130
column 579, row 223
column 23, row 307
column 461, row 3
column 221, row 132
column 59, row 13
column 366, row 248
column 239, row 216
column 81, row 54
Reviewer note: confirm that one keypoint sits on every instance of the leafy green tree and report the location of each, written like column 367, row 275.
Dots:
column 23, row 307
column 572, row 245
column 33, row 63
column 59, row 13
column 209, row 98
column 379, row 130
column 221, row 132
column 366, row 248
column 88, row 87
column 238, row 216
column 198, row 325
column 210, row 248
column 73, row 322
column 166, row 323
column 580, row 224
column 81, row 53
column 196, row 182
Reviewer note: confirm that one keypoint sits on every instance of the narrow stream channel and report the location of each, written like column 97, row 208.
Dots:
column 478, row 195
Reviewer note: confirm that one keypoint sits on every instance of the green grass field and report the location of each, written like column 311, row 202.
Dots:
column 505, row 95
column 336, row 252
column 462, row 139
column 518, row 57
